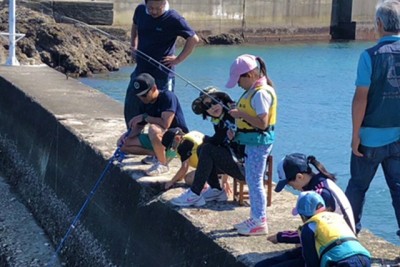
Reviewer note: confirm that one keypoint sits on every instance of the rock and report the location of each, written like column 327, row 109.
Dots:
column 75, row 50
column 224, row 39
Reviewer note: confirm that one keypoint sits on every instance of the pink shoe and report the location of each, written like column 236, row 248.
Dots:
column 253, row 227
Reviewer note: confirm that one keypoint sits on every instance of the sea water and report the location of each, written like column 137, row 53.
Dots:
column 315, row 86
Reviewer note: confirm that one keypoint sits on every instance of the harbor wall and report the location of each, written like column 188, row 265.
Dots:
column 57, row 136
column 272, row 19
column 56, row 140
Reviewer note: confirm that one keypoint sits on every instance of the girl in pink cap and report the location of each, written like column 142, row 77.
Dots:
column 255, row 117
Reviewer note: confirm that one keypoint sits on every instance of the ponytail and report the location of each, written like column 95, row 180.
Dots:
column 263, row 71
column 313, row 161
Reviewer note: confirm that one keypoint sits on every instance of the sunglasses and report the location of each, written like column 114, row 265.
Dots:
column 214, row 101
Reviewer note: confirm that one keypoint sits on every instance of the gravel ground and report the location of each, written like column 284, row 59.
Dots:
column 22, row 241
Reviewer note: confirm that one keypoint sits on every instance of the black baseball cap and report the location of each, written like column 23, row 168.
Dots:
column 143, row 83
column 289, row 167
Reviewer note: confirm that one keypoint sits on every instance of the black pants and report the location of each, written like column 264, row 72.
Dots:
column 214, row 160
column 291, row 258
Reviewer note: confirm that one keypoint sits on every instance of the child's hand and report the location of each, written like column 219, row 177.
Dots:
column 273, row 239
column 230, row 134
column 168, row 185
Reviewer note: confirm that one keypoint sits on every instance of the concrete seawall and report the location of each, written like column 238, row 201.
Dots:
column 59, row 136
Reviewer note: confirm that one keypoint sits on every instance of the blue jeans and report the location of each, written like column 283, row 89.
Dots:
column 362, row 171
column 133, row 104
column 353, row 261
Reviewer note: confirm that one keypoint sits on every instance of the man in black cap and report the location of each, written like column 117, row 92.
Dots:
column 161, row 111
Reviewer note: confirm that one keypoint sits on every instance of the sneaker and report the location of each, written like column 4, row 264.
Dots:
column 150, row 160
column 214, row 194
column 188, row 198
column 254, row 227
column 157, row 169
column 242, row 224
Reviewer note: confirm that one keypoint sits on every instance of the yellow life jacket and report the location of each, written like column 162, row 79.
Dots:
column 244, row 104
column 330, row 227
column 246, row 133
column 197, row 139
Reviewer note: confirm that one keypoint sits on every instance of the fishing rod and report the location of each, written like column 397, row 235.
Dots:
column 149, row 59
column 167, row 70
column 118, row 156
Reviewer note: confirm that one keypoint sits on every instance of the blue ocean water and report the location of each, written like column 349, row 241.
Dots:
column 315, row 86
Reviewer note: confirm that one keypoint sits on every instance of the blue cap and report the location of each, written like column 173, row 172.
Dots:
column 308, row 203
column 288, row 167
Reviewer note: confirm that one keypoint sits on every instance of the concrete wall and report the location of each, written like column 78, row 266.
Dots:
column 56, row 138
column 364, row 16
column 251, row 17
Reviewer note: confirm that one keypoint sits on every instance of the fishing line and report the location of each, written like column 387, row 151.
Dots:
column 167, row 70
column 118, row 156
column 149, row 59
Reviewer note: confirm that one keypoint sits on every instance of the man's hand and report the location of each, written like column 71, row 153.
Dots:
column 170, row 61
column 355, row 144
column 135, row 121
column 122, row 139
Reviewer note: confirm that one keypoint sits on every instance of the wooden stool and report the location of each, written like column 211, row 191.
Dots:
column 239, row 194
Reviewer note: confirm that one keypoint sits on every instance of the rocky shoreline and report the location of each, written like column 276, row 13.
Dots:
column 77, row 49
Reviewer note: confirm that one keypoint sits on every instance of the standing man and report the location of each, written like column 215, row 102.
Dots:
column 154, row 31
column 376, row 113
column 160, row 111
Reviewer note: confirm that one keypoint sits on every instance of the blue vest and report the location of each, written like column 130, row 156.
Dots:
column 383, row 106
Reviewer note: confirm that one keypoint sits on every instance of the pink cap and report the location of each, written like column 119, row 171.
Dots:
column 241, row 65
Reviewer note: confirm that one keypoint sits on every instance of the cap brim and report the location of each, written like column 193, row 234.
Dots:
column 233, row 80
column 143, row 92
column 280, row 185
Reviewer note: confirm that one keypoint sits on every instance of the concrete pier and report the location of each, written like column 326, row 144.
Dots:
column 58, row 136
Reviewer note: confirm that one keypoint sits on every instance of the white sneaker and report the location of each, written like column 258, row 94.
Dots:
column 157, row 169
column 254, row 227
column 241, row 225
column 150, row 160
column 188, row 198
column 214, row 194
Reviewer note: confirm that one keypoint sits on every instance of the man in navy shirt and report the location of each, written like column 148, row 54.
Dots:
column 154, row 31
column 161, row 110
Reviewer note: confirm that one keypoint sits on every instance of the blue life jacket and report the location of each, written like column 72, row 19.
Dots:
column 383, row 106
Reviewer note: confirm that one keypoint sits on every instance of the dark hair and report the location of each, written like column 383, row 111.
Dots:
column 263, row 71
column 321, row 168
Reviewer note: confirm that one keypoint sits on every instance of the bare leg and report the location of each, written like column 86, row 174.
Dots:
column 132, row 146
column 155, row 135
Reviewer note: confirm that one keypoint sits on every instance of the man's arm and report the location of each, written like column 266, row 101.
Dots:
column 134, row 39
column 173, row 60
column 190, row 43
column 359, row 106
column 165, row 121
